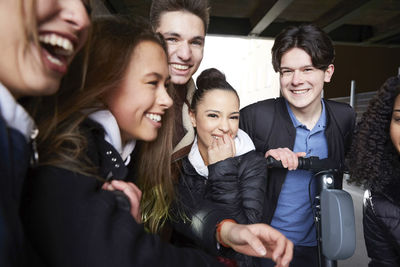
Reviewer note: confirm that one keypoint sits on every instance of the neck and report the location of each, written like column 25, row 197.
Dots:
column 181, row 91
column 203, row 154
column 309, row 115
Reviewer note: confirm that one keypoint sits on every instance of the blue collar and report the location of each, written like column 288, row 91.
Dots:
column 321, row 121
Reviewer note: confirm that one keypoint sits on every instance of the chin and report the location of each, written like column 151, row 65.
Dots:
column 180, row 80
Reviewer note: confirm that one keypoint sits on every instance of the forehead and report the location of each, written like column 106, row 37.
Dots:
column 153, row 55
column 396, row 104
column 220, row 99
column 182, row 23
column 295, row 58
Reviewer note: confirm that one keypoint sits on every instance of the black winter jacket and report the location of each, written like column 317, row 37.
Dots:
column 269, row 125
column 237, row 184
column 382, row 228
column 71, row 221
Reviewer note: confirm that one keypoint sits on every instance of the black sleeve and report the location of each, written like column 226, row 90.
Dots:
column 379, row 243
column 72, row 222
column 239, row 184
column 195, row 217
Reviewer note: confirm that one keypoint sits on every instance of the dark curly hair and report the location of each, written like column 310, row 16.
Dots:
column 373, row 160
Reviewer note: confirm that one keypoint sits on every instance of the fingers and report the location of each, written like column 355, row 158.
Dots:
column 256, row 244
column 134, row 195
column 107, row 186
column 283, row 250
column 288, row 158
column 222, row 147
column 279, row 248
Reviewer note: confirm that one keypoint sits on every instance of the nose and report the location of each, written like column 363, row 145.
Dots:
column 163, row 99
column 184, row 51
column 224, row 125
column 75, row 14
column 297, row 78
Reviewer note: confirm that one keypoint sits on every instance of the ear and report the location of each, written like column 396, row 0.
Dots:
column 192, row 116
column 328, row 73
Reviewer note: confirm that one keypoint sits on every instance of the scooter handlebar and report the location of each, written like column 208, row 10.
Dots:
column 311, row 164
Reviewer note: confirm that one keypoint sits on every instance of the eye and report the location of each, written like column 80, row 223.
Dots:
column 153, row 83
column 308, row 69
column 235, row 117
column 286, row 72
column 171, row 39
column 212, row 115
column 197, row 42
column 396, row 118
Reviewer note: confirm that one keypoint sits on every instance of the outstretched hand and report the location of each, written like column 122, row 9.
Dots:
column 259, row 240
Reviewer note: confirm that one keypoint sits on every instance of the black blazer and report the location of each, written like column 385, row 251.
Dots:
column 71, row 221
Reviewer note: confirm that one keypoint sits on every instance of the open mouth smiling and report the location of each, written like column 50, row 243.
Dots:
column 59, row 49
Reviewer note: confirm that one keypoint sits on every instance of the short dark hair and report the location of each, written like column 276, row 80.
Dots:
column 308, row 37
column 208, row 80
column 199, row 8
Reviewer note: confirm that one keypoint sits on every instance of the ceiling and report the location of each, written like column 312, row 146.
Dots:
column 353, row 22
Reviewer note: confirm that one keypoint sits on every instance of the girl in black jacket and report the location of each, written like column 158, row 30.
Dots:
column 375, row 163
column 222, row 166
column 37, row 43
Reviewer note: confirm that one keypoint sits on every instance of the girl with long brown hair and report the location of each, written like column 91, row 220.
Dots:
column 82, row 206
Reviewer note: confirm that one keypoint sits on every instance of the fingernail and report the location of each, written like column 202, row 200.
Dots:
column 261, row 251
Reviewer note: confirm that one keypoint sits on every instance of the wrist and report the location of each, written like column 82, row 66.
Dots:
column 222, row 229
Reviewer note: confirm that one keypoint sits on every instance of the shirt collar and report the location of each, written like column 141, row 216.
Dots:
column 321, row 121
column 15, row 115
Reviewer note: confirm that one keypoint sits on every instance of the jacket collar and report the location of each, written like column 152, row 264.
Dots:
column 187, row 140
column 112, row 133
column 103, row 153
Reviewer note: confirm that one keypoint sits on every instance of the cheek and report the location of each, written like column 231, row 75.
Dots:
column 395, row 134
column 235, row 128
column 204, row 130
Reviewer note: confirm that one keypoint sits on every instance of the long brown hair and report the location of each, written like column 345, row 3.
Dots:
column 63, row 145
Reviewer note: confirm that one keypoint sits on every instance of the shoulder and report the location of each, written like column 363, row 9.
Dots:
column 343, row 110
column 343, row 114
column 338, row 105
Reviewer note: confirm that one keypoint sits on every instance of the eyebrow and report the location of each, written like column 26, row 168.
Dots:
column 217, row 111
column 157, row 75
column 172, row 34
column 396, row 110
column 302, row 67
column 175, row 34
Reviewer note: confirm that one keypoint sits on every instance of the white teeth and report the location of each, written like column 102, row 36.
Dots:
column 54, row 60
column 154, row 117
column 180, row 67
column 67, row 48
column 299, row 91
